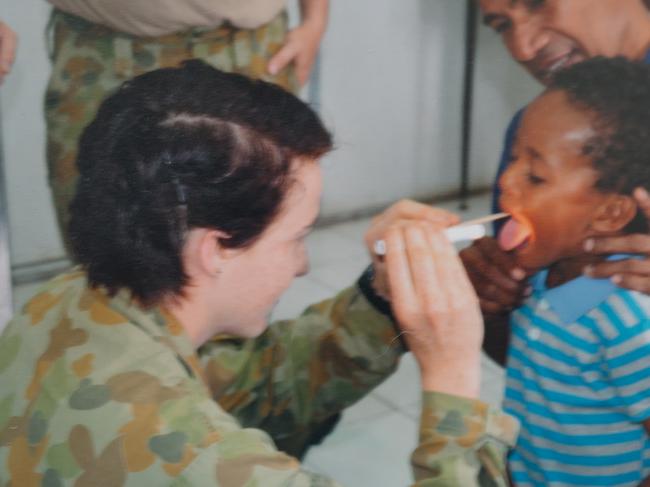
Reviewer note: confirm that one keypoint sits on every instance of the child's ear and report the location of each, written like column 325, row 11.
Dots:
column 617, row 211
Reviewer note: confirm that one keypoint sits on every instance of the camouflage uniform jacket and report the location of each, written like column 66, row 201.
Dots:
column 96, row 390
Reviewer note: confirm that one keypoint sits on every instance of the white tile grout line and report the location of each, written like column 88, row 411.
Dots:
column 394, row 407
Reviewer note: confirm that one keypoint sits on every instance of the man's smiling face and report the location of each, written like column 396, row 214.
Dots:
column 548, row 35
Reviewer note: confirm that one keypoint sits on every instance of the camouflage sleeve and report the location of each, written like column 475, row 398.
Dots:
column 463, row 443
column 248, row 457
column 301, row 372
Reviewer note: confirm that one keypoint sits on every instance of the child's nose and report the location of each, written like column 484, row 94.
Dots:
column 508, row 181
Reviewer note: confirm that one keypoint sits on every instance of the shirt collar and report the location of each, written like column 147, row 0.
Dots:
column 647, row 57
column 575, row 298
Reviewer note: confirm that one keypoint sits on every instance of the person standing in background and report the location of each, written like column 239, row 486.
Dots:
column 97, row 46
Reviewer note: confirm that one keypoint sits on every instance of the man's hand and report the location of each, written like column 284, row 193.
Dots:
column 400, row 214
column 8, row 42
column 498, row 281
column 630, row 273
column 302, row 43
column 436, row 308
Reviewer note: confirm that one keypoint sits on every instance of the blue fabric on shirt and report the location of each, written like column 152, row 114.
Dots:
column 574, row 298
column 578, row 380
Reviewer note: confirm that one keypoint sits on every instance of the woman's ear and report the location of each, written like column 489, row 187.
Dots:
column 204, row 253
column 616, row 212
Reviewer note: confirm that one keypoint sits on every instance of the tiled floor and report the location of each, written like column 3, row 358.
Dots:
column 372, row 443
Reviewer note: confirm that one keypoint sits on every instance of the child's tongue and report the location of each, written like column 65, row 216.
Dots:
column 513, row 234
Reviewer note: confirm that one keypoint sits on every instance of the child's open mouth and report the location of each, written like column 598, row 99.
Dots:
column 516, row 234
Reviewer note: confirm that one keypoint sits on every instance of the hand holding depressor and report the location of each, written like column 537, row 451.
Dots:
column 402, row 213
column 436, row 307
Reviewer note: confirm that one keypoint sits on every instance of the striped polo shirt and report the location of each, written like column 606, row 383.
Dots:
column 578, row 379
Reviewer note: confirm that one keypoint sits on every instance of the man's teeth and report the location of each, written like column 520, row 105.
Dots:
column 558, row 64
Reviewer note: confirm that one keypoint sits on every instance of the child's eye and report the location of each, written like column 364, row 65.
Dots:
column 534, row 179
column 534, row 4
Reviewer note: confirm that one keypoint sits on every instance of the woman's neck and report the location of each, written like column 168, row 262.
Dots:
column 191, row 316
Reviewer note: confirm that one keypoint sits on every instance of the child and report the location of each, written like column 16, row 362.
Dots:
column 578, row 371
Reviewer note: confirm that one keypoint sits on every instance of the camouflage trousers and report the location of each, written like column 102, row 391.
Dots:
column 89, row 61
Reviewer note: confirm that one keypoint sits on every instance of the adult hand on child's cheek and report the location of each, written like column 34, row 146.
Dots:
column 400, row 214
column 630, row 273
column 498, row 281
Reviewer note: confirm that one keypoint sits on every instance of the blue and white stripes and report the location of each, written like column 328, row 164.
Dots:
column 580, row 388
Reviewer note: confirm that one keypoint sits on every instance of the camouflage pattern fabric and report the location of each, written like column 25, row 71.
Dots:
column 90, row 60
column 96, row 390
column 462, row 443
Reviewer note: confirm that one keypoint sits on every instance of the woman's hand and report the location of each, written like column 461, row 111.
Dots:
column 402, row 213
column 630, row 273
column 436, row 307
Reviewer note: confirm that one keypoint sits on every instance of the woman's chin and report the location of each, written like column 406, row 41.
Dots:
column 259, row 328
column 251, row 329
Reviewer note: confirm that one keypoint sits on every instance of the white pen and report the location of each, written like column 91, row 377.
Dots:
column 463, row 232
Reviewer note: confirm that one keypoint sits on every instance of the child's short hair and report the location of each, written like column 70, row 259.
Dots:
column 617, row 92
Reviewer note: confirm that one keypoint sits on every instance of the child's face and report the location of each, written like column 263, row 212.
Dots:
column 550, row 183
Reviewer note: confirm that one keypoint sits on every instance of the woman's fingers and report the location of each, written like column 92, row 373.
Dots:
column 436, row 306
column 406, row 212
column 459, row 289
column 422, row 261
column 403, row 300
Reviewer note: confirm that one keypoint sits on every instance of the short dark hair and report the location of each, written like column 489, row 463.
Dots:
column 617, row 92
column 182, row 148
